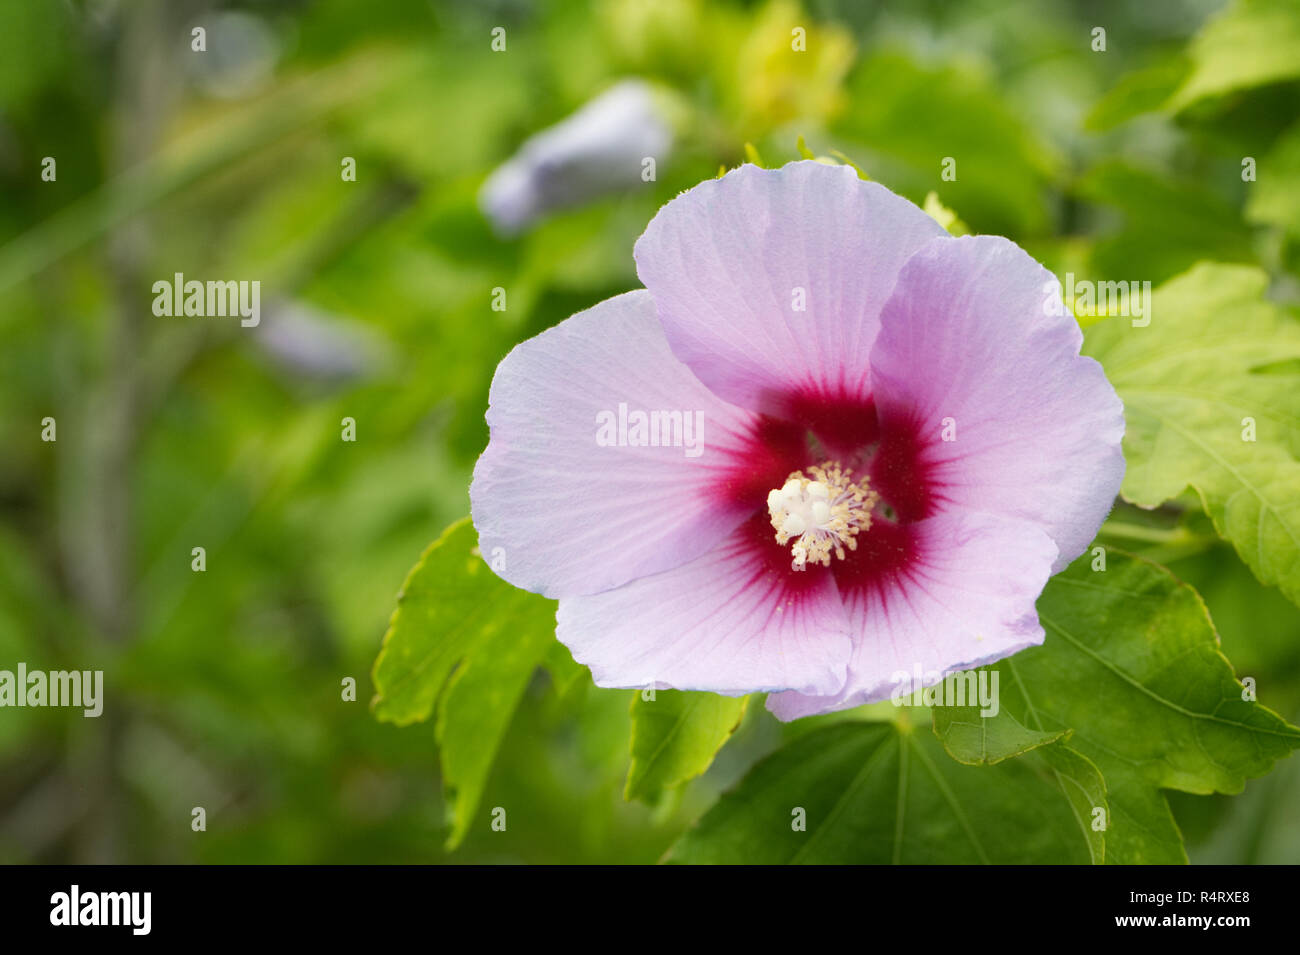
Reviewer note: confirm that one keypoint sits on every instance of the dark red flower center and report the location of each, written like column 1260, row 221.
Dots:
column 813, row 430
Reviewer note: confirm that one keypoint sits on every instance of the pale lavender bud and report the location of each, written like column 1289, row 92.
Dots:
column 600, row 149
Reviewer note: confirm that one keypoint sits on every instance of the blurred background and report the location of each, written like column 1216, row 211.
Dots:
column 388, row 297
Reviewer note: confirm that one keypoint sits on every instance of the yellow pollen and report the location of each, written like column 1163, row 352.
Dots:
column 822, row 514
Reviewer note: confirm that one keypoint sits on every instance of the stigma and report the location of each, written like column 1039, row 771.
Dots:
column 823, row 513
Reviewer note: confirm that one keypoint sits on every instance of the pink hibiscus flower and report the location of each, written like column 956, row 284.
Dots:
column 827, row 444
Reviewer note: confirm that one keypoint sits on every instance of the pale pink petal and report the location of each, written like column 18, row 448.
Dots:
column 733, row 621
column 729, row 261
column 560, row 514
column 964, row 596
column 974, row 340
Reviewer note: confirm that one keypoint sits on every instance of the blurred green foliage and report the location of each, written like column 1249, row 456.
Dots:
column 224, row 687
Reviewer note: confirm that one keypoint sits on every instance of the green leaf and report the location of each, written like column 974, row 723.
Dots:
column 1167, row 223
column 909, row 117
column 1251, row 43
column 1131, row 667
column 884, row 793
column 464, row 639
column 1192, row 382
column 675, row 736
column 1275, row 195
column 941, row 214
column 1142, row 91
column 1084, row 789
column 567, row 675
column 476, row 711
column 982, row 741
column 979, row 740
